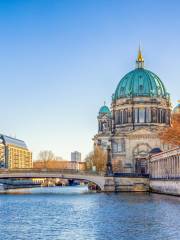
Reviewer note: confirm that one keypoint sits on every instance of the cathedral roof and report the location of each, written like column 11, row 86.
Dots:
column 140, row 82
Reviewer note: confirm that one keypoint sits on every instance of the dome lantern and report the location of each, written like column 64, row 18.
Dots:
column 140, row 59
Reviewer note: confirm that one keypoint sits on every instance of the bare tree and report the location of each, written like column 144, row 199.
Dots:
column 97, row 159
column 45, row 157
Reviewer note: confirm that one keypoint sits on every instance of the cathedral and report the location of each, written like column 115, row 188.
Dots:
column 140, row 107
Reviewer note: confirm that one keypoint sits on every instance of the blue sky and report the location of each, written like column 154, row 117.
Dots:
column 61, row 59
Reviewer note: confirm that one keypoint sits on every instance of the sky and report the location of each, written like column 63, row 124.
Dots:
column 61, row 59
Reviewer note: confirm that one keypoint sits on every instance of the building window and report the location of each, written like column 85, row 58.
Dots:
column 123, row 145
column 148, row 115
column 99, row 127
column 116, row 117
column 129, row 116
column 119, row 147
column 154, row 115
column 121, row 117
column 136, row 115
column 104, row 144
column 167, row 117
column 159, row 115
column 141, row 115
column 125, row 116
column 163, row 116
column 114, row 147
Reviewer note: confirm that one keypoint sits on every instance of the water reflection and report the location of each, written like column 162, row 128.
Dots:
column 49, row 190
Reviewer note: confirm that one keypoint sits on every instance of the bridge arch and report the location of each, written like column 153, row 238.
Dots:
column 99, row 181
column 96, row 179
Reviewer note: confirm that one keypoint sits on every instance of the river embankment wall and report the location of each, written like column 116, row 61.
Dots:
column 126, row 184
column 171, row 187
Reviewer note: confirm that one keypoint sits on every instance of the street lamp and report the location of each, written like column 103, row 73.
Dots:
column 109, row 171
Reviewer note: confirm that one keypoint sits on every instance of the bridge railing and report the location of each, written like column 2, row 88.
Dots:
column 59, row 171
column 71, row 171
column 131, row 175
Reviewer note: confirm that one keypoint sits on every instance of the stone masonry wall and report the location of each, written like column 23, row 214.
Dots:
column 127, row 184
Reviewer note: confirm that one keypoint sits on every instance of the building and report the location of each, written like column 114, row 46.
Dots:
column 76, row 156
column 140, row 108
column 14, row 153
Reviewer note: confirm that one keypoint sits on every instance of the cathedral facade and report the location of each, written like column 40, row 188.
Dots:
column 140, row 108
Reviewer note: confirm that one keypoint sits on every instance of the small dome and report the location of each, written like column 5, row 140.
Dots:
column 140, row 82
column 155, row 150
column 104, row 109
column 177, row 108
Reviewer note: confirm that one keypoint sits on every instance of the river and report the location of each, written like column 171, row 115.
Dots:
column 69, row 213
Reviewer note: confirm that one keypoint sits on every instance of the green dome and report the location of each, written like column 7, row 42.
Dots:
column 177, row 108
column 140, row 82
column 104, row 109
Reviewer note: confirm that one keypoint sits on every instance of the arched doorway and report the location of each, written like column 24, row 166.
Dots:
column 141, row 166
column 141, row 158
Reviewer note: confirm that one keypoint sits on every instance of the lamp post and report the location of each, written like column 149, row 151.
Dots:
column 109, row 171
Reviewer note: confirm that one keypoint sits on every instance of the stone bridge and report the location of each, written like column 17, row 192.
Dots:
column 104, row 183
